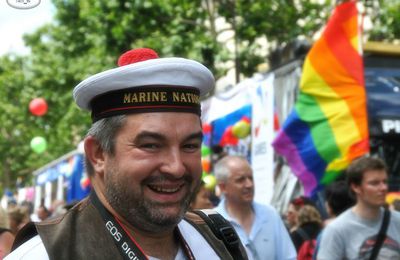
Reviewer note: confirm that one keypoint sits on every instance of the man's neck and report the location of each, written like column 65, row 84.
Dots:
column 366, row 211
column 243, row 213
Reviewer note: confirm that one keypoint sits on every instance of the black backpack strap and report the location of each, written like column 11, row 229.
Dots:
column 224, row 231
column 380, row 238
column 24, row 234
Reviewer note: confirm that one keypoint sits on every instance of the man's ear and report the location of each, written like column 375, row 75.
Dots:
column 94, row 153
column 222, row 186
column 355, row 188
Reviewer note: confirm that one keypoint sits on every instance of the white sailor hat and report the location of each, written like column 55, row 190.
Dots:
column 143, row 82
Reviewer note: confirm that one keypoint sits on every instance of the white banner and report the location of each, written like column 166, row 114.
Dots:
column 224, row 103
column 262, row 135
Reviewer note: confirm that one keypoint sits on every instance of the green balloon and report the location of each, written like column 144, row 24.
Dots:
column 38, row 144
column 241, row 129
column 205, row 151
column 210, row 181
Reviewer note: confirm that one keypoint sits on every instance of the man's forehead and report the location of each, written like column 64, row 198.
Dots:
column 241, row 171
column 163, row 118
column 374, row 174
column 162, row 122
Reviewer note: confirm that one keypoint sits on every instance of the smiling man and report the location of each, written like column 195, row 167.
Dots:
column 353, row 235
column 143, row 156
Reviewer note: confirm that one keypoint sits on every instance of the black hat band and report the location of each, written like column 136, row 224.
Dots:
column 146, row 99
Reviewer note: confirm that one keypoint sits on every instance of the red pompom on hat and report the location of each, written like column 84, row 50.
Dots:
column 136, row 55
column 142, row 83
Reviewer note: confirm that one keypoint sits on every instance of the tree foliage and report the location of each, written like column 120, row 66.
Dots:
column 386, row 18
column 87, row 36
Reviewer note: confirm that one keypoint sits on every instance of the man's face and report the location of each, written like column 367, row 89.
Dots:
column 373, row 188
column 239, row 188
column 156, row 168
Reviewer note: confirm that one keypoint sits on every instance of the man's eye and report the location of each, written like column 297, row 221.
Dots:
column 149, row 146
column 375, row 183
column 191, row 147
column 240, row 180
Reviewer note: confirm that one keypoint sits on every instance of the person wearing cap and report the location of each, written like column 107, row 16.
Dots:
column 143, row 156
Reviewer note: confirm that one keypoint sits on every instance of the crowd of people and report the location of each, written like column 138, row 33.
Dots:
column 15, row 216
column 264, row 234
column 355, row 210
column 143, row 155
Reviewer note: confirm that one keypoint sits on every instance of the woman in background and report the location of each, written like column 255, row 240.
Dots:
column 202, row 199
column 292, row 212
column 309, row 225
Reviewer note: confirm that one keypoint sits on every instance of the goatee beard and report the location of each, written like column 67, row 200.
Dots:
column 144, row 214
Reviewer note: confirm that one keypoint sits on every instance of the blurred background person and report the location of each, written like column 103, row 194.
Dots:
column 43, row 213
column 309, row 225
column 202, row 199
column 337, row 199
column 294, row 206
column 18, row 217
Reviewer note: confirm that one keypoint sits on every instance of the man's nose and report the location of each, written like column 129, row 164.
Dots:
column 173, row 164
column 249, row 182
column 384, row 186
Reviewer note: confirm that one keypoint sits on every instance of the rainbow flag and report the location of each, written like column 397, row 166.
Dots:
column 328, row 126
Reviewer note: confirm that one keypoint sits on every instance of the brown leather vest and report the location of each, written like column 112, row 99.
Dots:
column 80, row 235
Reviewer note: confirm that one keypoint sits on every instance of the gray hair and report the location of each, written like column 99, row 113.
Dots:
column 104, row 131
column 221, row 167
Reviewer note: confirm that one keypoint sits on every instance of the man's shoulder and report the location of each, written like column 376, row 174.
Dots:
column 342, row 223
column 31, row 249
column 220, row 208
column 395, row 219
column 395, row 214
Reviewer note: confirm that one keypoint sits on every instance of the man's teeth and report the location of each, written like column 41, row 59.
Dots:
column 163, row 189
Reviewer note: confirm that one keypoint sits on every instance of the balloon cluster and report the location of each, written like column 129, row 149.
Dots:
column 241, row 129
column 38, row 107
column 205, row 158
column 208, row 178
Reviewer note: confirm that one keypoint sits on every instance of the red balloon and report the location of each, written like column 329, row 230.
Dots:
column 245, row 119
column 228, row 138
column 206, row 128
column 38, row 106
